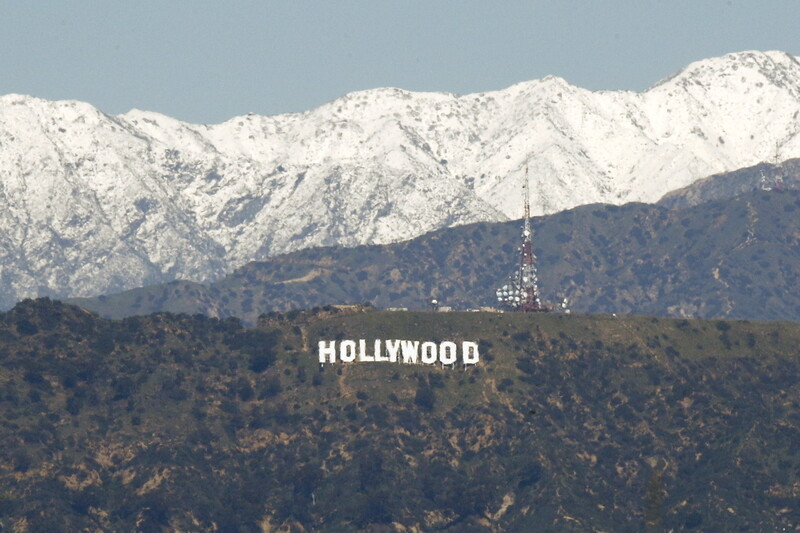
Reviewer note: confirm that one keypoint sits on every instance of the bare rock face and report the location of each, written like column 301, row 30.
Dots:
column 92, row 203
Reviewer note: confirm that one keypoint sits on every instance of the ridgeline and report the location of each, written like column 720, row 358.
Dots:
column 735, row 258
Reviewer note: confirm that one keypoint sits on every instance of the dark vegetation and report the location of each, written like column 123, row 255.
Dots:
column 734, row 258
column 569, row 423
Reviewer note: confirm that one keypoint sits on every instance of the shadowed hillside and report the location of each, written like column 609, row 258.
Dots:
column 568, row 423
column 737, row 258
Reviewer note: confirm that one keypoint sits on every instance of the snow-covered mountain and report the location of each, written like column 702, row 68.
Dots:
column 94, row 203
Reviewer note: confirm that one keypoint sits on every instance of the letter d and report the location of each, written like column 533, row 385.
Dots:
column 469, row 352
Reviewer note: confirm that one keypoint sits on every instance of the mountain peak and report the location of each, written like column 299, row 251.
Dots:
column 747, row 67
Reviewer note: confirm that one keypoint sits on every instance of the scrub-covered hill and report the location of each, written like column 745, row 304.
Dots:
column 733, row 258
column 566, row 423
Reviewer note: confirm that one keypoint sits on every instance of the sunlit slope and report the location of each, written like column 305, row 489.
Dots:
column 97, row 203
column 568, row 423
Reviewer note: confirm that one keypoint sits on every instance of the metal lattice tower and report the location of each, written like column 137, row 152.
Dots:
column 521, row 293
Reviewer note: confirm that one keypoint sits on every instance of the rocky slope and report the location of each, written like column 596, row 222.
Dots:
column 94, row 203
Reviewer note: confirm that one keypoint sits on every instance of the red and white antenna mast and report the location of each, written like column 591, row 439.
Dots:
column 521, row 293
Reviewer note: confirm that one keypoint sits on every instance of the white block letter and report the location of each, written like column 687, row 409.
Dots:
column 447, row 353
column 393, row 347
column 328, row 351
column 362, row 352
column 347, row 351
column 410, row 351
column 470, row 352
column 378, row 353
column 428, row 353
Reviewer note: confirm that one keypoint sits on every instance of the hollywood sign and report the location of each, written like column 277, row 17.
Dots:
column 399, row 351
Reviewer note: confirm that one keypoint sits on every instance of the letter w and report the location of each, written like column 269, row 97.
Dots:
column 410, row 351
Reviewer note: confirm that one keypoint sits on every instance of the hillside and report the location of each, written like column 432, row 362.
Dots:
column 97, row 203
column 733, row 258
column 727, row 185
column 568, row 423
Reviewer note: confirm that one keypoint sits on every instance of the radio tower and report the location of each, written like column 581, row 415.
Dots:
column 521, row 293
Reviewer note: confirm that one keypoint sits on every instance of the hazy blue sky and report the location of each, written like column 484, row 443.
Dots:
column 207, row 61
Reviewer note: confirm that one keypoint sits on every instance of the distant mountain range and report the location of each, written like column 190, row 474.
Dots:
column 92, row 203
column 733, row 258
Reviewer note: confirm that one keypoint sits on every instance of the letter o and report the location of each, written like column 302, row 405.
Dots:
column 428, row 355
column 347, row 351
column 447, row 353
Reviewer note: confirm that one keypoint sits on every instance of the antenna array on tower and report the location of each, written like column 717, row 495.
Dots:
column 521, row 292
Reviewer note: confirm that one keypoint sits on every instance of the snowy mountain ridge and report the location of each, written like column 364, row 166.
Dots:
column 97, row 203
